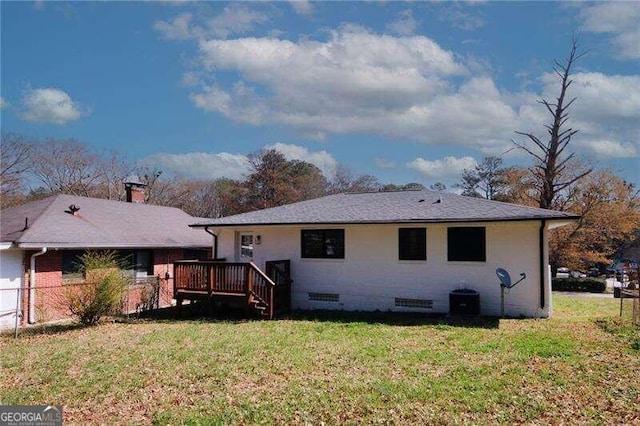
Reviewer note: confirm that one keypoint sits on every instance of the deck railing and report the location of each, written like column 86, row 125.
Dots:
column 210, row 278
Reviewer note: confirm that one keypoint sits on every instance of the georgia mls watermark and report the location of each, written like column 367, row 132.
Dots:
column 30, row 415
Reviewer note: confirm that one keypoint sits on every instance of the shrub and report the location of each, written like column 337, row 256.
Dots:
column 588, row 285
column 102, row 292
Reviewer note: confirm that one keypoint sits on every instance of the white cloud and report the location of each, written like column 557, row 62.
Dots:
column 302, row 7
column 180, row 28
column 49, row 105
column 405, row 25
column 621, row 19
column 201, row 165
column 235, row 18
column 208, row 165
column 606, row 113
column 443, row 170
column 321, row 159
column 381, row 163
column 354, row 82
column 612, row 149
column 460, row 16
column 401, row 87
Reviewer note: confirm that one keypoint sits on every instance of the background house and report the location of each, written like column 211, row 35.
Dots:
column 46, row 237
column 398, row 251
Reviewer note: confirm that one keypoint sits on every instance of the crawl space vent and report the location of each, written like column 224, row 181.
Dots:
column 414, row 303
column 324, row 297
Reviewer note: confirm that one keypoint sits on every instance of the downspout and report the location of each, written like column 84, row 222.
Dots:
column 215, row 242
column 543, row 267
column 32, row 285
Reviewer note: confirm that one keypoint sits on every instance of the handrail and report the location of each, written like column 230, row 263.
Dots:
column 192, row 278
column 262, row 274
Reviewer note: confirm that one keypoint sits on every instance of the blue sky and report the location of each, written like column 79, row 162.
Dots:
column 406, row 91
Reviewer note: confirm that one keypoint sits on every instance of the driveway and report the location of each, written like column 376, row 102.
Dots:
column 584, row 294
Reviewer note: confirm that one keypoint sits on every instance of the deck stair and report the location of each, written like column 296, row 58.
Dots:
column 241, row 284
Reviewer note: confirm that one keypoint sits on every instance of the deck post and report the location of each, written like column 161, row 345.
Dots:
column 211, row 279
column 249, row 282
column 271, row 301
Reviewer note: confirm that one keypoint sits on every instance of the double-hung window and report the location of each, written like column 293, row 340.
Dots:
column 466, row 244
column 137, row 262
column 412, row 244
column 322, row 243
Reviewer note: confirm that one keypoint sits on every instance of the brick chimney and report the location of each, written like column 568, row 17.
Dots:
column 135, row 190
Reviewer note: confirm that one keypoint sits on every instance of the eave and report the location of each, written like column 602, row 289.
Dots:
column 562, row 220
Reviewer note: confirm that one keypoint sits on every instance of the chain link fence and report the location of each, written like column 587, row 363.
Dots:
column 140, row 295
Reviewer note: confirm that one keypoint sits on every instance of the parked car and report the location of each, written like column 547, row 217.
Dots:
column 622, row 266
column 594, row 272
column 563, row 272
column 577, row 274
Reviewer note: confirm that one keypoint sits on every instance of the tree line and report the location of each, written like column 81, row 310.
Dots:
column 33, row 169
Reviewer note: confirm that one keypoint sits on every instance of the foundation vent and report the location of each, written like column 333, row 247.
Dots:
column 324, row 297
column 414, row 303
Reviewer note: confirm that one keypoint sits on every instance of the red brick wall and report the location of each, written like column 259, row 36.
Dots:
column 49, row 282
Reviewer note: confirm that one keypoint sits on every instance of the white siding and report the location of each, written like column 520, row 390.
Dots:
column 10, row 278
column 371, row 276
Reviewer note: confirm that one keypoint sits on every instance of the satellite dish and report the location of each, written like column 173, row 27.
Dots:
column 504, row 277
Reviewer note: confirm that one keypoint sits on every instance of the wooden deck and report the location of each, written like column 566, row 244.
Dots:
column 235, row 283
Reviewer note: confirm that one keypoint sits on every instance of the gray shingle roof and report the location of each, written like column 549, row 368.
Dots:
column 389, row 207
column 98, row 224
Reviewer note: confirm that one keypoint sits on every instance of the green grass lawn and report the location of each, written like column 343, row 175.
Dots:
column 581, row 366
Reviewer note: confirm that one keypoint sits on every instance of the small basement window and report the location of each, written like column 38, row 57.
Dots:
column 324, row 297
column 414, row 303
column 412, row 244
column 322, row 243
column 466, row 244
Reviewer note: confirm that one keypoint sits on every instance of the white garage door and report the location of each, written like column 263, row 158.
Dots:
column 10, row 278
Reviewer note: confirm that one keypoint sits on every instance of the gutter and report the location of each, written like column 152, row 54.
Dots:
column 215, row 242
column 562, row 219
column 543, row 267
column 32, row 285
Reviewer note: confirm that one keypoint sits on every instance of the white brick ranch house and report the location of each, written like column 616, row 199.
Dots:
column 398, row 251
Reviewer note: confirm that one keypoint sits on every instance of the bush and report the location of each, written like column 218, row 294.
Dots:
column 588, row 285
column 102, row 292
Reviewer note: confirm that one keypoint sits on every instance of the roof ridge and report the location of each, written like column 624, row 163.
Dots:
column 381, row 191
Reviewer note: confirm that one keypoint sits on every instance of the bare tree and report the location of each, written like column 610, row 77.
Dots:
column 552, row 170
column 15, row 162
column 65, row 166
column 112, row 170
column 345, row 181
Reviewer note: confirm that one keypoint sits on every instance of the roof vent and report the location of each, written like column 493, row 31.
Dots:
column 73, row 209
